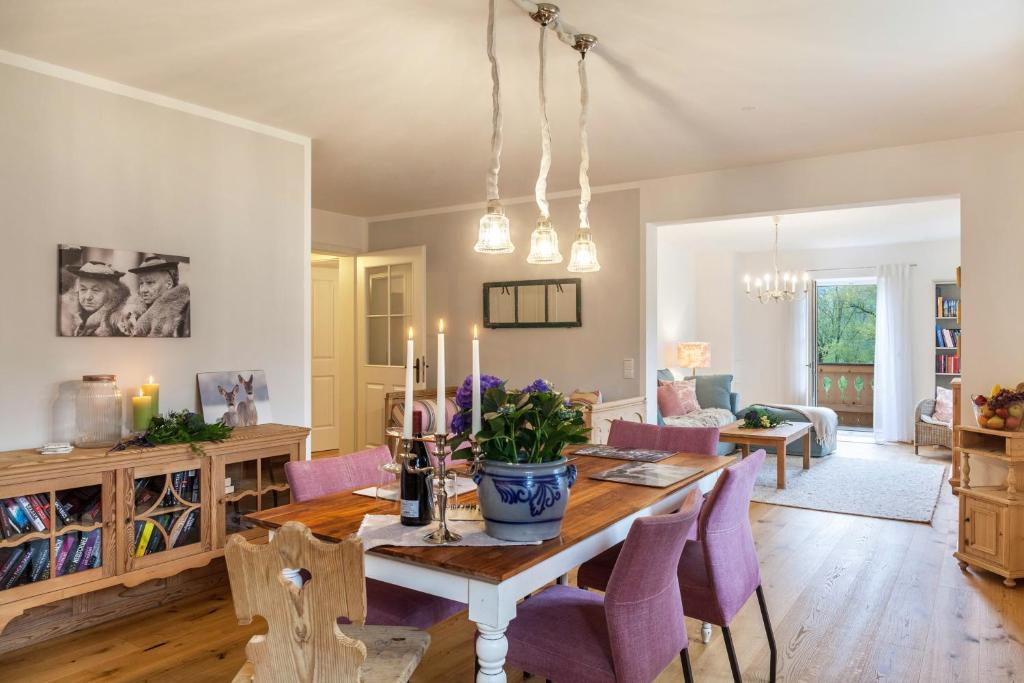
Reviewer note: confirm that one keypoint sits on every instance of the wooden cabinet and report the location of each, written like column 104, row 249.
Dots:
column 91, row 519
column 599, row 417
column 991, row 514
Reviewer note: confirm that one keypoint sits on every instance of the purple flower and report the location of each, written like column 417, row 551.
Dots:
column 458, row 423
column 461, row 421
column 538, row 386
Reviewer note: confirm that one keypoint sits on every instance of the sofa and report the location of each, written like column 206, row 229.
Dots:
column 718, row 405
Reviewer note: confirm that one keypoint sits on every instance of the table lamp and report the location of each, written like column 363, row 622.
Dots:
column 693, row 355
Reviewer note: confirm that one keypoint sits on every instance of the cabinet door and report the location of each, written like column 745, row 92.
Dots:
column 983, row 529
column 166, row 518
column 251, row 482
column 55, row 535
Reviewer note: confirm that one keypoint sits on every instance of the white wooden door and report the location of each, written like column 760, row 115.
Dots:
column 391, row 296
column 326, row 379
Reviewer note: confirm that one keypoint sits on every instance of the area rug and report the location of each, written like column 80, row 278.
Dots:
column 853, row 486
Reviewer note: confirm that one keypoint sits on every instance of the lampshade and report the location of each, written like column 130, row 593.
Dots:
column 544, row 244
column 583, row 257
column 693, row 354
column 494, row 236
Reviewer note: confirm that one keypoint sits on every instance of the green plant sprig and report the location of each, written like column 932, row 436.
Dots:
column 178, row 427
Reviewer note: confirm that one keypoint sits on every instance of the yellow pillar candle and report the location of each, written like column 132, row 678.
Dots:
column 152, row 389
column 142, row 412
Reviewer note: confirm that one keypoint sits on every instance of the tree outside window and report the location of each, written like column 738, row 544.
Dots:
column 846, row 324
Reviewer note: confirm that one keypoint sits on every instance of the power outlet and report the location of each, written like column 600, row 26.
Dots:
column 627, row 368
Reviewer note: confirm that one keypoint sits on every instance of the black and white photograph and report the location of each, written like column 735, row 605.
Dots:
column 238, row 398
column 119, row 293
column 647, row 474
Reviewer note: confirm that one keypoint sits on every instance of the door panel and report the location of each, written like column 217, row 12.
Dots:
column 326, row 366
column 390, row 298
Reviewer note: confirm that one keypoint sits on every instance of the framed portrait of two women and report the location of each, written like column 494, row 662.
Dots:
column 119, row 293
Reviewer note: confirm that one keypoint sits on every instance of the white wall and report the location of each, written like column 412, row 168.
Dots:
column 86, row 166
column 587, row 357
column 339, row 232
column 987, row 173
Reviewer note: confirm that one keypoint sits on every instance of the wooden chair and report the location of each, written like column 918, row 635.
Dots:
column 304, row 642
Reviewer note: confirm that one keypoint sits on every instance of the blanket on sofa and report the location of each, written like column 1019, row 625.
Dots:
column 825, row 421
column 705, row 417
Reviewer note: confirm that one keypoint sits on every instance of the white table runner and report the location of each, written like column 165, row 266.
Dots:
column 377, row 530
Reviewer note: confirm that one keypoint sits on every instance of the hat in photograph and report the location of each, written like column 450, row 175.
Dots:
column 97, row 270
column 154, row 262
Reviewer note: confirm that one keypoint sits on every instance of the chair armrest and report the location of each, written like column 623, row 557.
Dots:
column 924, row 406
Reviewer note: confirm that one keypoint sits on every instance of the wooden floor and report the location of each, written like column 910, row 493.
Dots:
column 852, row 599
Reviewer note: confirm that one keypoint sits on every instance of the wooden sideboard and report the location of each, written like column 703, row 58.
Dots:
column 127, row 517
column 599, row 416
column 991, row 507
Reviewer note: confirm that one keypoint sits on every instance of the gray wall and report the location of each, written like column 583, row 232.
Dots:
column 85, row 166
column 586, row 357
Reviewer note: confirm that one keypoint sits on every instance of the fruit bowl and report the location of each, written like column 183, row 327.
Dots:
column 1003, row 410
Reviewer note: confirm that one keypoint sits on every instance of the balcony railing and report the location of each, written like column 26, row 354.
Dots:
column 848, row 389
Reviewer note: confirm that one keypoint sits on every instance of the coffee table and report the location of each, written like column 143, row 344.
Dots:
column 779, row 437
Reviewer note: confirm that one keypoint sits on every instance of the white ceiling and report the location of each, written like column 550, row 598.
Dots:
column 922, row 221
column 396, row 95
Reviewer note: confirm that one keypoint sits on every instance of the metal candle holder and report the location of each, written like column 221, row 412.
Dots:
column 438, row 476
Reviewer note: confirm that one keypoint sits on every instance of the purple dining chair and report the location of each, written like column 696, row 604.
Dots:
column 594, row 573
column 718, row 572
column 386, row 604
column 630, row 634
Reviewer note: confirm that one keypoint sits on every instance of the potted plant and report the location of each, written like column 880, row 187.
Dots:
column 523, row 477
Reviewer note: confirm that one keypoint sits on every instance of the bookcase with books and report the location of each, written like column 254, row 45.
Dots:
column 947, row 333
column 75, row 523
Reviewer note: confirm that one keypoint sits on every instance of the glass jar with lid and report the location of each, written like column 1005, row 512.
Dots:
column 98, row 411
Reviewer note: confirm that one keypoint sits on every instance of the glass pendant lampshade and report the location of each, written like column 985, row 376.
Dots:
column 544, row 244
column 583, row 257
column 494, row 236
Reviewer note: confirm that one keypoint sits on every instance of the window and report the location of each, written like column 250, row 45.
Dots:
column 845, row 323
column 387, row 296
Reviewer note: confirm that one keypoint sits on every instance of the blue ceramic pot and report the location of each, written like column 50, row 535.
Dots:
column 525, row 501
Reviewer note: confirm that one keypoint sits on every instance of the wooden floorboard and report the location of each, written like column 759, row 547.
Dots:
column 852, row 599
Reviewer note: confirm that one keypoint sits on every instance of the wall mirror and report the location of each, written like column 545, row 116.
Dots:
column 533, row 303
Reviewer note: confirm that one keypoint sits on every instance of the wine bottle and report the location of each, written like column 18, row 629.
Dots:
column 416, row 494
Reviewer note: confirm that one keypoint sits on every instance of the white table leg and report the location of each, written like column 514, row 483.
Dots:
column 491, row 648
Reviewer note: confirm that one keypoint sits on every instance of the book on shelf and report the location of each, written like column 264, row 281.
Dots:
column 17, row 516
column 142, row 544
column 40, row 550
column 947, row 337
column 18, row 568
column 38, row 522
column 947, row 365
column 9, row 561
column 67, row 553
column 946, row 308
column 90, row 555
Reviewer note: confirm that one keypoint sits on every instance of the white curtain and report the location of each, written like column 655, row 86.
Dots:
column 893, row 394
column 798, row 355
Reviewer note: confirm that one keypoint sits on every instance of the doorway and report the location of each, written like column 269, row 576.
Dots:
column 843, row 349
column 333, row 353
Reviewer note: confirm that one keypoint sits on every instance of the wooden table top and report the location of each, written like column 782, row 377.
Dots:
column 593, row 506
column 788, row 431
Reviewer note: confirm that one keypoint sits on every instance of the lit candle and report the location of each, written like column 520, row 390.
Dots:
column 746, row 281
column 407, row 418
column 805, row 282
column 142, row 412
column 152, row 389
column 476, row 382
column 442, row 428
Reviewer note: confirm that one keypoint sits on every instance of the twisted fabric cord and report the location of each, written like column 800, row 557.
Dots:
column 495, row 166
column 584, row 147
column 545, row 135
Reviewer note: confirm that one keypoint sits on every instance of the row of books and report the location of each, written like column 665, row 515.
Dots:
column 185, row 484
column 947, row 338
column 947, row 308
column 30, row 562
column 182, row 528
column 25, row 514
column 947, row 364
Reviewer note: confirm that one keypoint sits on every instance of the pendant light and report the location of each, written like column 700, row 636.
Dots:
column 544, row 240
column 583, row 257
column 493, row 236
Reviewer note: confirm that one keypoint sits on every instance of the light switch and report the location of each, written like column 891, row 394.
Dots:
column 627, row 368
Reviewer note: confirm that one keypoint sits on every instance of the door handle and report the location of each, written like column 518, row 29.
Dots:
column 416, row 370
column 420, row 365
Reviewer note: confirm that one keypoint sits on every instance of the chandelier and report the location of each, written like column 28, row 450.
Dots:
column 776, row 287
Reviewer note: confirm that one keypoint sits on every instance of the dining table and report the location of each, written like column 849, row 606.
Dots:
column 491, row 580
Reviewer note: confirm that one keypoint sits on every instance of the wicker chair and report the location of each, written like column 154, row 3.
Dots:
column 927, row 434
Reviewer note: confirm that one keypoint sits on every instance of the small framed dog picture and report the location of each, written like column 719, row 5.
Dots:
column 238, row 398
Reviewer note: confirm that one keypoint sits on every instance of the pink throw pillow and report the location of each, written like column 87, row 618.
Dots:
column 687, row 391
column 943, row 405
column 669, row 403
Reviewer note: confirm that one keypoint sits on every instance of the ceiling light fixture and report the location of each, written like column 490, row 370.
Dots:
column 544, row 240
column 494, row 236
column 777, row 288
column 583, row 257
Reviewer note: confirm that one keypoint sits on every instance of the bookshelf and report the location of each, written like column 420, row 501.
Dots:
column 947, row 332
column 81, row 522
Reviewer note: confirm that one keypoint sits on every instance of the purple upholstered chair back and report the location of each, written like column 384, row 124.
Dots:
column 642, row 605
column 315, row 478
column 626, row 434
column 724, row 527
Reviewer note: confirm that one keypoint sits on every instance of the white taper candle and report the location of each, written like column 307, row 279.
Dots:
column 476, row 382
column 407, row 417
column 442, row 427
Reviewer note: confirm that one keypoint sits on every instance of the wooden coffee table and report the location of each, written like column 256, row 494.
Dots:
column 779, row 437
